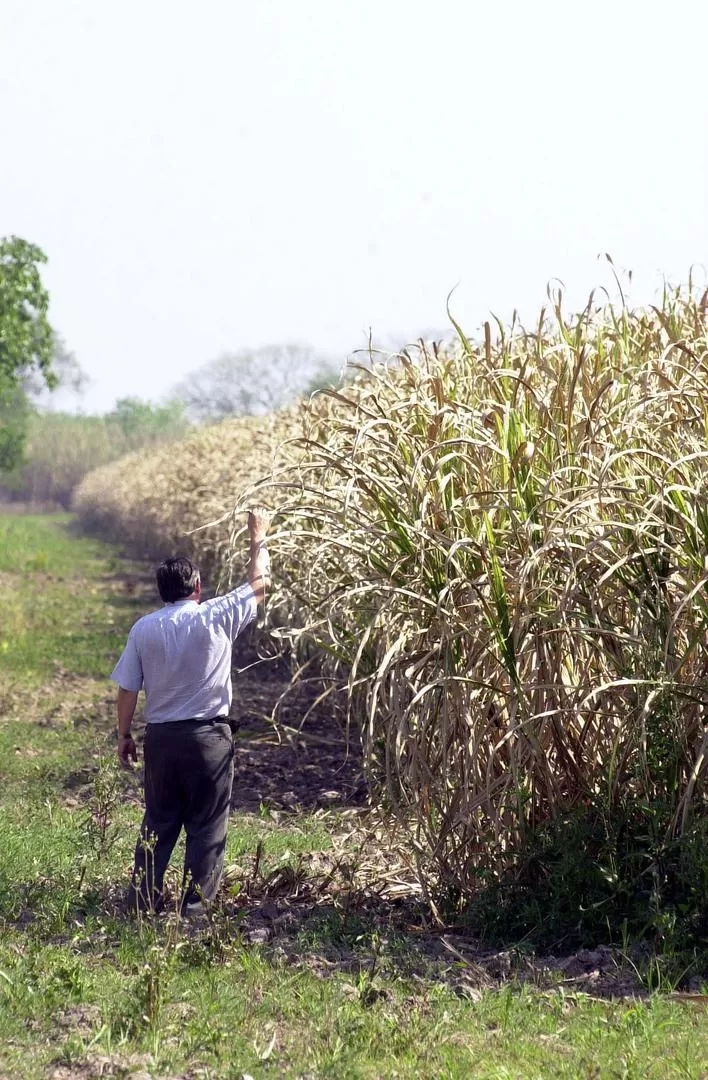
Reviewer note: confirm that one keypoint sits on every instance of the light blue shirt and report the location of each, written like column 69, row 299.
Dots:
column 181, row 656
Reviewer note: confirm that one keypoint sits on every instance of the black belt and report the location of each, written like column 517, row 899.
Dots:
column 195, row 721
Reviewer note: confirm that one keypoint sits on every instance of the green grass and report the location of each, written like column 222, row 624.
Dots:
column 83, row 987
column 56, row 614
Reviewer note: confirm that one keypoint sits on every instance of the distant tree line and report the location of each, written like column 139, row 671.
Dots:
column 61, row 447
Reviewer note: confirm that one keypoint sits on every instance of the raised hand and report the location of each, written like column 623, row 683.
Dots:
column 258, row 521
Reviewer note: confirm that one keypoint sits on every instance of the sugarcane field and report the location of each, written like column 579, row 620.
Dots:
column 354, row 696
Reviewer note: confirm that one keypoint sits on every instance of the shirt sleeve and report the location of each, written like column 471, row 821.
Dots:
column 234, row 611
column 128, row 672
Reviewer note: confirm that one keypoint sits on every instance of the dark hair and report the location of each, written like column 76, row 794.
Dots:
column 177, row 578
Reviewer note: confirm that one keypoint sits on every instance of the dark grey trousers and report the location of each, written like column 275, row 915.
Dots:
column 188, row 776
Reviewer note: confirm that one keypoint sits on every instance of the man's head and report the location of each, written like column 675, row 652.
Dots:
column 177, row 579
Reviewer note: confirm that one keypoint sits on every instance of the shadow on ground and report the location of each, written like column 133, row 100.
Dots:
column 306, row 761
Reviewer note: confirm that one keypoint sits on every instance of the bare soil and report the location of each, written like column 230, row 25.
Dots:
column 304, row 762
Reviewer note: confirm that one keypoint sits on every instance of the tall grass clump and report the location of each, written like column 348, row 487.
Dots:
column 502, row 551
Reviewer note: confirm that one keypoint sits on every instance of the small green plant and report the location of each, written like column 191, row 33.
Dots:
column 160, row 941
column 367, row 991
column 151, row 986
column 39, row 561
column 99, row 831
column 66, row 979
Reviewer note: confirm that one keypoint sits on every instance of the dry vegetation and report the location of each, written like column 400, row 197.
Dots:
column 153, row 500
column 500, row 553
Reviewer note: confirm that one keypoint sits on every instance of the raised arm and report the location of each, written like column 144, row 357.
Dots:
column 258, row 575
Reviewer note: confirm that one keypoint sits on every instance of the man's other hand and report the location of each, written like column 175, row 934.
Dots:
column 258, row 522
column 127, row 751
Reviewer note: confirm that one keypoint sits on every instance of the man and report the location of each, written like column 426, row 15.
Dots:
column 181, row 656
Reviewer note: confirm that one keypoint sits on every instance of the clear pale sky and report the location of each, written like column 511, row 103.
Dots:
column 217, row 175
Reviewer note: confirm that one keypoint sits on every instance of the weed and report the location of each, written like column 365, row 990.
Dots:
column 368, row 993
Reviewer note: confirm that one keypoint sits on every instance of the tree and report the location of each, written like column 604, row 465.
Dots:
column 15, row 415
column 26, row 338
column 252, row 382
column 26, row 341
column 70, row 379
